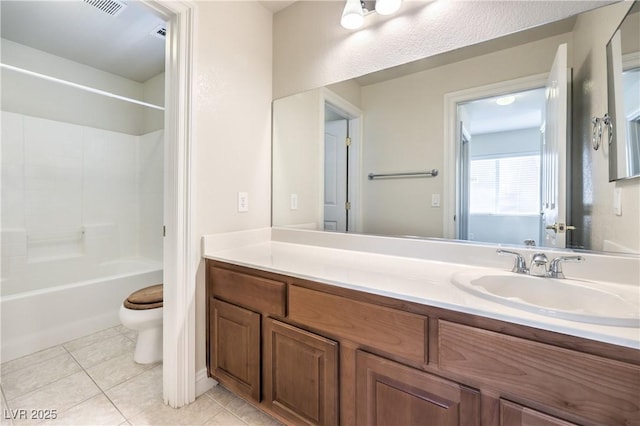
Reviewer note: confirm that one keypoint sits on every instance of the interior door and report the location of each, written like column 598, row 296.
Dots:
column 335, row 176
column 554, row 153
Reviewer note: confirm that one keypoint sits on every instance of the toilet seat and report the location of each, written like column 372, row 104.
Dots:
column 145, row 298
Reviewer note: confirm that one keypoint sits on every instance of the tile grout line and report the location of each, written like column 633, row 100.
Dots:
column 44, row 385
column 3, row 396
column 97, row 385
column 223, row 408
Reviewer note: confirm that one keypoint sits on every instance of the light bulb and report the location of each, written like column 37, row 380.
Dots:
column 352, row 15
column 387, row 7
column 505, row 100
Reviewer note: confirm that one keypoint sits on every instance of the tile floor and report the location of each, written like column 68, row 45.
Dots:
column 94, row 381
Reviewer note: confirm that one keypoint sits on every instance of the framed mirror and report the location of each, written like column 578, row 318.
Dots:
column 623, row 74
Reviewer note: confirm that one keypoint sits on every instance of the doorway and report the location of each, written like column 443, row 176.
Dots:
column 500, row 167
column 341, row 143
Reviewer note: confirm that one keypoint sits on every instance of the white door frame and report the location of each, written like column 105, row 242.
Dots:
column 354, row 115
column 451, row 150
column 179, row 340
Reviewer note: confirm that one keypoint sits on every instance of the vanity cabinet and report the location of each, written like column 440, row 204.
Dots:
column 320, row 354
column 512, row 414
column 300, row 374
column 237, row 303
column 390, row 393
column 288, row 371
column 235, row 347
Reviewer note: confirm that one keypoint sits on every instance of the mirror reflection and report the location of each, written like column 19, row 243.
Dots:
column 623, row 72
column 492, row 119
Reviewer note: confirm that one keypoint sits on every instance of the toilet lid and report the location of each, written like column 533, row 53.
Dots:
column 145, row 298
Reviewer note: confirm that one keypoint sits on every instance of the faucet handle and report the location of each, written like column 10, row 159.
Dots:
column 555, row 268
column 520, row 265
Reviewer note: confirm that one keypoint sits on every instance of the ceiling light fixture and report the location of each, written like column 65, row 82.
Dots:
column 355, row 11
column 352, row 15
column 387, row 7
column 506, row 100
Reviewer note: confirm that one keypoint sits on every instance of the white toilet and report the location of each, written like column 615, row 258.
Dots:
column 142, row 312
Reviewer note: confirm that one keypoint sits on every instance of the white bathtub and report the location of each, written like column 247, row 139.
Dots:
column 37, row 319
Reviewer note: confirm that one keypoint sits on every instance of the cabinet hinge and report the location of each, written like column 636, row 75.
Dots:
column 347, row 206
column 347, row 141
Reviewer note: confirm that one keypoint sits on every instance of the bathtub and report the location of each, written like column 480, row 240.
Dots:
column 38, row 317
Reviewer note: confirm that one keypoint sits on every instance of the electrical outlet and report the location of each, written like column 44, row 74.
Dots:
column 294, row 202
column 243, row 201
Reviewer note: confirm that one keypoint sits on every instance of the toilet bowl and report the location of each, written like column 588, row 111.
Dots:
column 142, row 312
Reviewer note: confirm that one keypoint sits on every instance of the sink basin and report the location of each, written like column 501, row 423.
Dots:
column 577, row 300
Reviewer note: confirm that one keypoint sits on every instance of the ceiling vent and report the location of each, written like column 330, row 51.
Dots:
column 111, row 7
column 160, row 31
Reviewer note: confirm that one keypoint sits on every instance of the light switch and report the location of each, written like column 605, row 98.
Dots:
column 435, row 200
column 617, row 201
column 243, row 201
column 294, row 202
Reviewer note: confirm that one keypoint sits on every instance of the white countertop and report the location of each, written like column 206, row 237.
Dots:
column 417, row 280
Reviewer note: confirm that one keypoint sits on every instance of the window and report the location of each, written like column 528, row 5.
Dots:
column 505, row 185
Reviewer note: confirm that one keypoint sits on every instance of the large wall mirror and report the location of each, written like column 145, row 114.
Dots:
column 623, row 73
column 475, row 144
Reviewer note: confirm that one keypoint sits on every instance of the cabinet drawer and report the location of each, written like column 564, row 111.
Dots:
column 590, row 387
column 512, row 414
column 258, row 294
column 389, row 330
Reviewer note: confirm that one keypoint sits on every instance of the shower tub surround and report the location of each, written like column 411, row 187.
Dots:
column 81, row 228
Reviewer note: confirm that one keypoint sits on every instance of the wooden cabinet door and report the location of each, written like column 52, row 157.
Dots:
column 389, row 393
column 512, row 414
column 235, row 347
column 300, row 374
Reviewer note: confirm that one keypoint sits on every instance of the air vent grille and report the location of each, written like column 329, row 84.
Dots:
column 160, row 31
column 111, row 7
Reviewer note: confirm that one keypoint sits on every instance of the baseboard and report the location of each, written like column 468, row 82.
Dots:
column 203, row 383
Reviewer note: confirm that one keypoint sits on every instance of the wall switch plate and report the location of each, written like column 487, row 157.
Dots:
column 294, row 202
column 617, row 201
column 243, row 201
column 435, row 200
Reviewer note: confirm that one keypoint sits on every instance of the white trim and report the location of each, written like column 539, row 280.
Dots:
column 451, row 152
column 179, row 376
column 354, row 114
column 204, row 382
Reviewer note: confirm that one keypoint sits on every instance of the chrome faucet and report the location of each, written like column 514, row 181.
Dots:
column 539, row 262
column 520, row 265
column 555, row 268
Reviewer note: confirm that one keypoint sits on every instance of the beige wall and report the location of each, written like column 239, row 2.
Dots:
column 311, row 49
column 231, row 125
column 403, row 131
column 593, row 194
column 297, row 152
